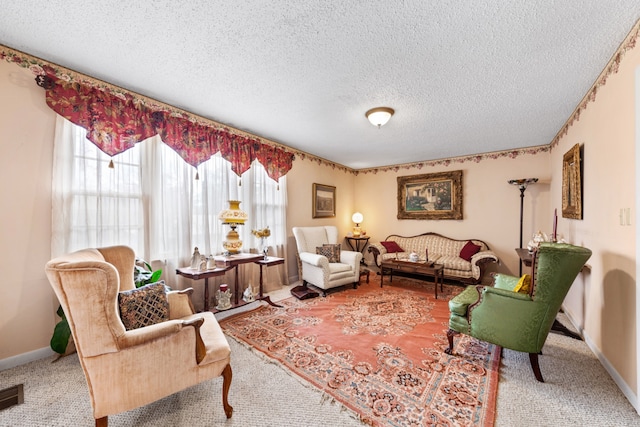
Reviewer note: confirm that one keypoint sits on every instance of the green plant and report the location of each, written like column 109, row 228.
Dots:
column 143, row 274
column 61, row 333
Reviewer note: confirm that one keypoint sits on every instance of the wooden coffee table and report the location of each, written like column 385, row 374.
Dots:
column 420, row 268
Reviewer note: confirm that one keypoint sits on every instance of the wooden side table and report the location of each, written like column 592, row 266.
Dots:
column 225, row 264
column 358, row 242
column 267, row 262
column 233, row 261
column 195, row 274
column 365, row 272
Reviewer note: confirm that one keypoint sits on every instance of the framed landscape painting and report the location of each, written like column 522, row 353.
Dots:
column 430, row 196
column 324, row 201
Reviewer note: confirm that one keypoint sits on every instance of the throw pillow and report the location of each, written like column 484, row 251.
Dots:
column 469, row 250
column 331, row 251
column 391, row 247
column 144, row 306
column 524, row 284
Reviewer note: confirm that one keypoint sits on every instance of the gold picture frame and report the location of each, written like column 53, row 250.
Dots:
column 324, row 201
column 430, row 196
column 572, row 184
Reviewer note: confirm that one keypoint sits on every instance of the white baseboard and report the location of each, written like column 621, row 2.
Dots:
column 622, row 385
column 21, row 359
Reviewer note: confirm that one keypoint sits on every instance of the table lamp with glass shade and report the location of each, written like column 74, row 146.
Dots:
column 357, row 219
column 233, row 217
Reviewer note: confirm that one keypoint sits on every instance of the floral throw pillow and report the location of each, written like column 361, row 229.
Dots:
column 331, row 251
column 144, row 306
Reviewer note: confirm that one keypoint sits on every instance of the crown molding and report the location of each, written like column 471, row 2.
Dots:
column 610, row 69
column 476, row 158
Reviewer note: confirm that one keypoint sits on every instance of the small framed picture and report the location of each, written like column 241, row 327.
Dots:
column 324, row 201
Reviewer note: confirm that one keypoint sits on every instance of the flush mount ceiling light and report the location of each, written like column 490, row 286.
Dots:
column 379, row 116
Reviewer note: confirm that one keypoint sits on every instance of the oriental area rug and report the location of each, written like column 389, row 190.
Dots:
column 380, row 353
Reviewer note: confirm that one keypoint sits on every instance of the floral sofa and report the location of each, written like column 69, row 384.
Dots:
column 464, row 260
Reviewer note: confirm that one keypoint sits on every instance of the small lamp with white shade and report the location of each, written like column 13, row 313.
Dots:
column 357, row 219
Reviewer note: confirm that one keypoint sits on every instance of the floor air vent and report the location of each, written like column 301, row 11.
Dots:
column 11, row 396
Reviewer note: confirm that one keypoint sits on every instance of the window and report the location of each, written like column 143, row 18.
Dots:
column 151, row 201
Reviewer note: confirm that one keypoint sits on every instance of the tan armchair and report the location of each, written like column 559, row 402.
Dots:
column 126, row 369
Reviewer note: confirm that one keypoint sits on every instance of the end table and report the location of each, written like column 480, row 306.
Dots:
column 362, row 240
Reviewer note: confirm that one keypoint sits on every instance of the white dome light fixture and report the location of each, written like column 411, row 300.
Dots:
column 379, row 116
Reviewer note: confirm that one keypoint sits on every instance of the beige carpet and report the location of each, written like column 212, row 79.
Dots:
column 577, row 392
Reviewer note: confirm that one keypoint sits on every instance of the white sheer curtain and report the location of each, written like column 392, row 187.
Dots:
column 152, row 202
column 92, row 204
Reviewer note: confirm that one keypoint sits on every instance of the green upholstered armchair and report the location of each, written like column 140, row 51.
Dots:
column 513, row 320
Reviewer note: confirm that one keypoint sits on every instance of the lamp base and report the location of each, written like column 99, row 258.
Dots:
column 232, row 244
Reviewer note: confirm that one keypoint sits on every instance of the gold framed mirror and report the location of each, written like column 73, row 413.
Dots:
column 572, row 184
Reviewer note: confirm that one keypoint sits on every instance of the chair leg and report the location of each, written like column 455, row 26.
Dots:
column 102, row 422
column 226, row 384
column 533, row 358
column 450, row 334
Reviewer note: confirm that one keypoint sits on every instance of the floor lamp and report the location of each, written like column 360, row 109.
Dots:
column 522, row 185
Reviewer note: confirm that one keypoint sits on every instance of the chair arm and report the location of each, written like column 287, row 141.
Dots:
column 314, row 259
column 504, row 281
column 480, row 262
column 201, row 350
column 507, row 293
column 350, row 257
column 377, row 250
column 180, row 304
column 149, row 333
column 482, row 255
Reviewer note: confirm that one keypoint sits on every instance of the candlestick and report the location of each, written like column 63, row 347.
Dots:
column 555, row 225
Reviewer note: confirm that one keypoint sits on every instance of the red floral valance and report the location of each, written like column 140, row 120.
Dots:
column 115, row 122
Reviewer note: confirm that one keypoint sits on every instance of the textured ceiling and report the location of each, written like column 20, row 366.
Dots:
column 463, row 77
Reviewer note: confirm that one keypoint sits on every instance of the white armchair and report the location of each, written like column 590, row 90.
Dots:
column 316, row 269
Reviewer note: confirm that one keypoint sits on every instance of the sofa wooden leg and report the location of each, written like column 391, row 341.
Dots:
column 450, row 334
column 533, row 358
column 226, row 384
column 102, row 422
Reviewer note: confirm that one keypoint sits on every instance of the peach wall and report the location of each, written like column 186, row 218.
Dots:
column 604, row 301
column 300, row 180
column 491, row 206
column 26, row 134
